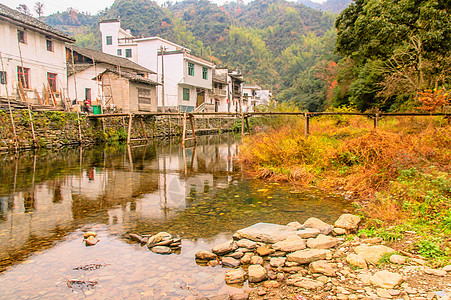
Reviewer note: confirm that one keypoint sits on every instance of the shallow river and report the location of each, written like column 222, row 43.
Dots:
column 48, row 200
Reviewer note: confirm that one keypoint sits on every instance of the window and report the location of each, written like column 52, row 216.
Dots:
column 21, row 36
column 109, row 40
column 246, row 95
column 128, row 52
column 49, row 44
column 204, row 73
column 23, row 77
column 144, row 96
column 185, row 94
column 51, row 78
column 119, row 52
column 190, row 69
column 87, row 94
column 2, row 77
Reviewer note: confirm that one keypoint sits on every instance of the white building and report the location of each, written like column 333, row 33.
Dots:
column 225, row 95
column 186, row 78
column 110, row 81
column 254, row 96
column 33, row 55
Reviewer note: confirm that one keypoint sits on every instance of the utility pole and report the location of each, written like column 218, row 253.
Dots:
column 162, row 49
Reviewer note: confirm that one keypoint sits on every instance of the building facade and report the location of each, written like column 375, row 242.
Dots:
column 33, row 59
column 185, row 78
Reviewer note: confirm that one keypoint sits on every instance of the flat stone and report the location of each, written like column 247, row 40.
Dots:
column 245, row 243
column 236, row 254
column 322, row 267
column 348, row 222
column 235, row 276
column 161, row 250
column 323, row 227
column 372, row 254
column 246, row 259
column 256, row 260
column 307, row 256
column 447, row 268
column 205, row 255
column 266, row 232
column 292, row 270
column 263, row 251
column 272, row 284
column 230, row 262
column 393, row 292
column 303, row 282
column 383, row 293
column 219, row 297
column 322, row 242
column 296, row 225
column 257, row 273
column 239, row 296
column 308, row 233
column 276, row 262
column 386, row 279
column 356, row 260
column 339, row 231
column 435, row 272
column 91, row 240
column 397, row 259
column 224, row 248
column 290, row 244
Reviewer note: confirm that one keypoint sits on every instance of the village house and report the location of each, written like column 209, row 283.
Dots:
column 235, row 88
column 110, row 82
column 225, row 95
column 185, row 78
column 254, row 96
column 33, row 59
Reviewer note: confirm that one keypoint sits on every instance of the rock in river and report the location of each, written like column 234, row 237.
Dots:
column 323, row 227
column 266, row 232
column 224, row 248
column 290, row 244
column 257, row 273
column 205, row 255
column 230, row 262
column 307, row 256
column 235, row 276
column 161, row 250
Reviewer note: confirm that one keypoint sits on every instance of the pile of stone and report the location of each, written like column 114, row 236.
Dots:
column 90, row 238
column 161, row 243
column 311, row 256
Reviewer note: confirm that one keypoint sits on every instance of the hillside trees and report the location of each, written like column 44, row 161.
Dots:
column 392, row 51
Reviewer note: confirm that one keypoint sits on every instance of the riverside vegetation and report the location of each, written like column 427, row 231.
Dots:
column 398, row 175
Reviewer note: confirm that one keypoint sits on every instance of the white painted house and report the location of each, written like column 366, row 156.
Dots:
column 109, row 81
column 33, row 55
column 254, row 96
column 187, row 78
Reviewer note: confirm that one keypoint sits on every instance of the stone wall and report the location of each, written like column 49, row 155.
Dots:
column 58, row 129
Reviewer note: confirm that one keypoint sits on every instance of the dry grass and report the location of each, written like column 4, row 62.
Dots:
column 346, row 152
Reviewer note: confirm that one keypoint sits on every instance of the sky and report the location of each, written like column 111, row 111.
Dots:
column 91, row 6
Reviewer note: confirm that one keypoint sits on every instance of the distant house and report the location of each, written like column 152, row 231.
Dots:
column 110, row 81
column 225, row 95
column 253, row 96
column 187, row 78
column 235, row 86
column 33, row 58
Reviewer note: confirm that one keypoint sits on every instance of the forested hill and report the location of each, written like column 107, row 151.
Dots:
column 334, row 6
column 273, row 42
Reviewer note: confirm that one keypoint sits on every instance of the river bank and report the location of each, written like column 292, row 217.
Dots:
column 398, row 176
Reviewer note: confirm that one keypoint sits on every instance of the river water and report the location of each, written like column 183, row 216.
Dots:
column 48, row 200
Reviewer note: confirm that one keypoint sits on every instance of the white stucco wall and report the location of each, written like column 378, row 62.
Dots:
column 83, row 80
column 35, row 56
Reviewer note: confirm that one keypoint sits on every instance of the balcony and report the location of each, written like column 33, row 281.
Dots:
column 217, row 92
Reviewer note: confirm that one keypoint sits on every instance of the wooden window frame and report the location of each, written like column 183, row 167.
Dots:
column 190, row 69
column 128, row 52
column 52, row 79
column 21, row 36
column 24, row 74
column 186, row 92
column 49, row 45
column 119, row 52
column 109, row 40
column 144, row 96
column 204, row 73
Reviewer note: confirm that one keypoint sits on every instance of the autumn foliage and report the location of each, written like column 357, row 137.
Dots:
column 433, row 100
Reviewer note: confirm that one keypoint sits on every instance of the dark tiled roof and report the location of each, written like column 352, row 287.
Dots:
column 130, row 76
column 109, row 59
column 77, row 68
column 222, row 78
column 13, row 15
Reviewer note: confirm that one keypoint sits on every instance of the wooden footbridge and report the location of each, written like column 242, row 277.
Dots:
column 189, row 117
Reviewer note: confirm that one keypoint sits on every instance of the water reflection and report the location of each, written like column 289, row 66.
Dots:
column 47, row 200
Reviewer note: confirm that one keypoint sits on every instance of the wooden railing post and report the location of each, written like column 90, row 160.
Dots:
column 376, row 120
column 184, row 129
column 307, row 124
column 130, row 119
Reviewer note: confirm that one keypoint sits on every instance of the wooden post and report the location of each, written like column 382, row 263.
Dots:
column 184, row 129
column 143, row 128
column 170, row 126
column 242, row 124
column 16, row 145
column 376, row 120
column 247, row 125
column 130, row 119
column 79, row 128
column 193, row 128
column 307, row 124
column 103, row 124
